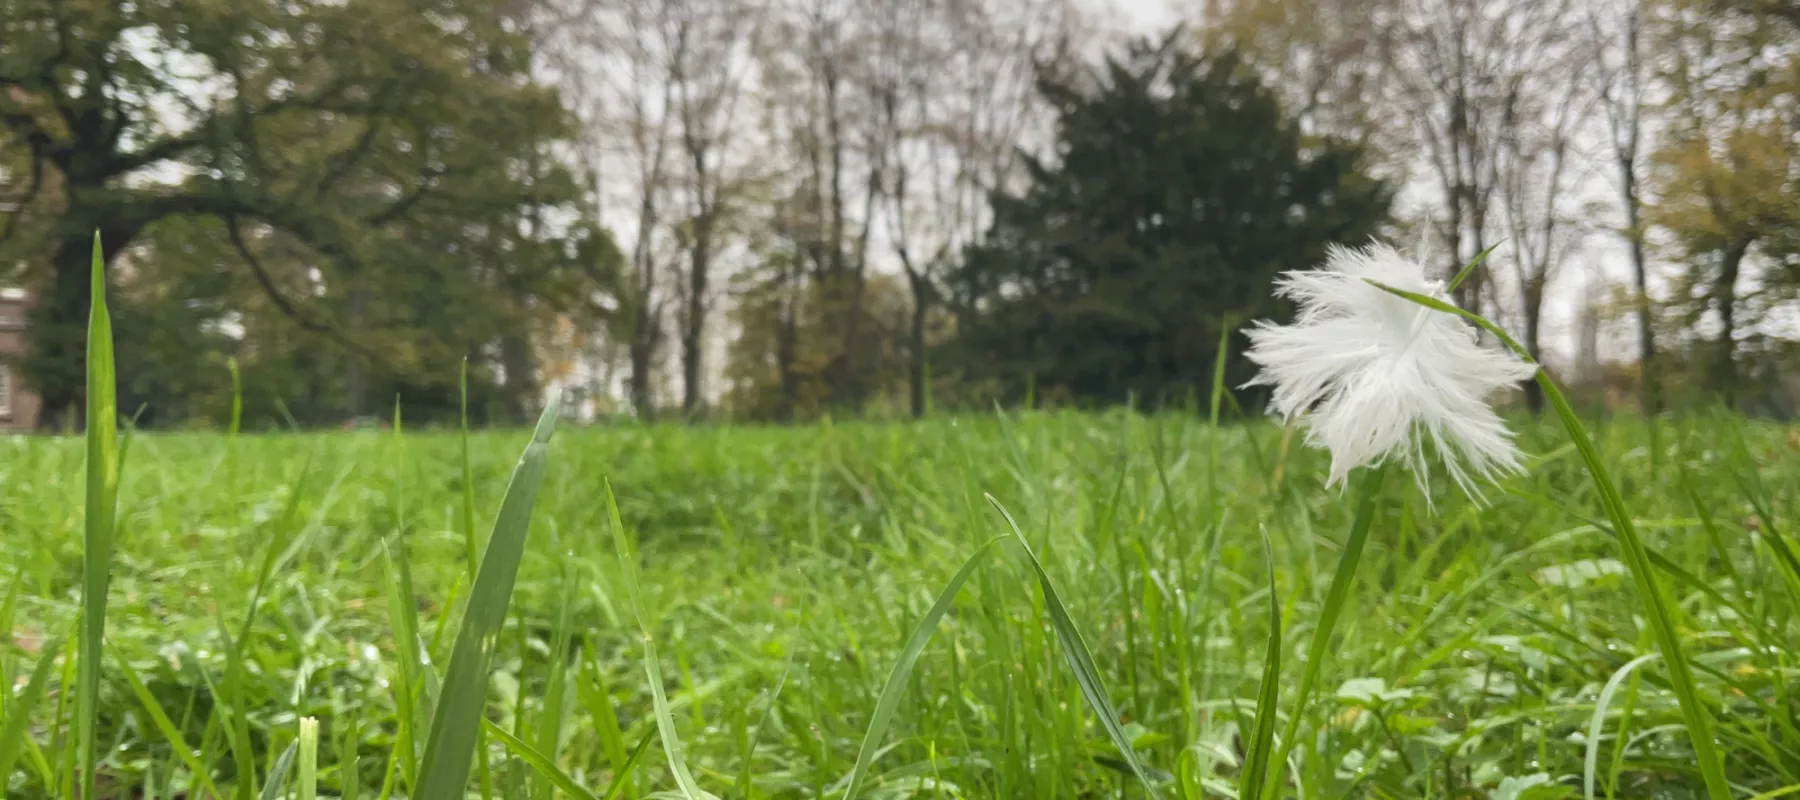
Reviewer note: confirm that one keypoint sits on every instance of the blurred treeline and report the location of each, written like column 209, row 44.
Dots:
column 778, row 209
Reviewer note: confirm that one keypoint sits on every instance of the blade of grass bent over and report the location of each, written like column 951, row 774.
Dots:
column 450, row 744
column 1662, row 623
column 98, row 529
column 276, row 787
column 160, row 718
column 1081, row 661
column 544, row 765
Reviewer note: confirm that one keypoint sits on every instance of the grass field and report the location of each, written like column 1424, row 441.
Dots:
column 783, row 569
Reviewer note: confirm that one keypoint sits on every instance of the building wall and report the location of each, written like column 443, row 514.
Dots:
column 25, row 404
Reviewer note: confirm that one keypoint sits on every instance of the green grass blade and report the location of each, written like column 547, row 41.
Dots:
column 276, row 787
column 621, row 778
column 98, row 528
column 1256, row 761
column 160, row 718
column 544, row 765
column 1081, row 661
column 18, row 711
column 403, row 615
column 743, row 786
column 450, row 744
column 1368, row 499
column 307, row 784
column 628, row 561
column 665, row 726
column 1662, row 622
column 348, row 761
column 471, row 544
column 1748, row 476
column 1469, row 268
column 909, row 655
column 665, row 718
column 596, row 695
column 237, row 721
column 550, row 725
column 1597, row 722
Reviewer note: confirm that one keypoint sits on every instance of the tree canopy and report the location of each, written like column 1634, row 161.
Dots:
column 381, row 175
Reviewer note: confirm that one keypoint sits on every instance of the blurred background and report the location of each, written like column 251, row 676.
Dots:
column 782, row 209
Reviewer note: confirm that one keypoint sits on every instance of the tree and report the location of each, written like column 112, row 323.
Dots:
column 1725, row 179
column 1329, row 59
column 1618, row 31
column 1178, row 190
column 344, row 130
column 1536, row 141
column 1461, row 69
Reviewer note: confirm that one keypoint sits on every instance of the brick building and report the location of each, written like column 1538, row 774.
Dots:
column 18, row 405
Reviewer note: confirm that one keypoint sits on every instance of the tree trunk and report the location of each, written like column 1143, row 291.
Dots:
column 521, row 376
column 1534, row 317
column 916, row 369
column 1650, row 398
column 787, row 354
column 356, row 367
column 693, row 325
column 640, row 371
column 1725, row 295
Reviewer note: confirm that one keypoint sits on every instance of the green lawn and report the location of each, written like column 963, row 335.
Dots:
column 783, row 570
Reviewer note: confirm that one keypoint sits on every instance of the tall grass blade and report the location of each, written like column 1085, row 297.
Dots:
column 1368, row 499
column 18, row 712
column 237, row 721
column 665, row 717
column 554, row 709
column 402, row 615
column 1662, row 622
column 1081, row 661
column 909, row 655
column 1256, row 761
column 471, row 545
column 450, row 744
column 349, row 765
column 97, row 536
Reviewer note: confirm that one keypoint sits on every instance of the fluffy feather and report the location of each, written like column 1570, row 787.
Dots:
column 1376, row 376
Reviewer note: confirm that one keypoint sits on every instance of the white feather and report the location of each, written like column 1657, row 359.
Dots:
column 1376, row 376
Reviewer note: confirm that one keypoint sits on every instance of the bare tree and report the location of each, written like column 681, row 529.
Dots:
column 1453, row 92
column 1617, row 27
column 1537, row 178
column 1329, row 59
column 613, row 61
column 954, row 101
column 710, row 70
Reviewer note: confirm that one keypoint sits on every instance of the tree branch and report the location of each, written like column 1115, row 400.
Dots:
column 287, row 306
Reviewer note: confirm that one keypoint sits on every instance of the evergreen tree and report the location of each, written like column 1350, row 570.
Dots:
column 1176, row 190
